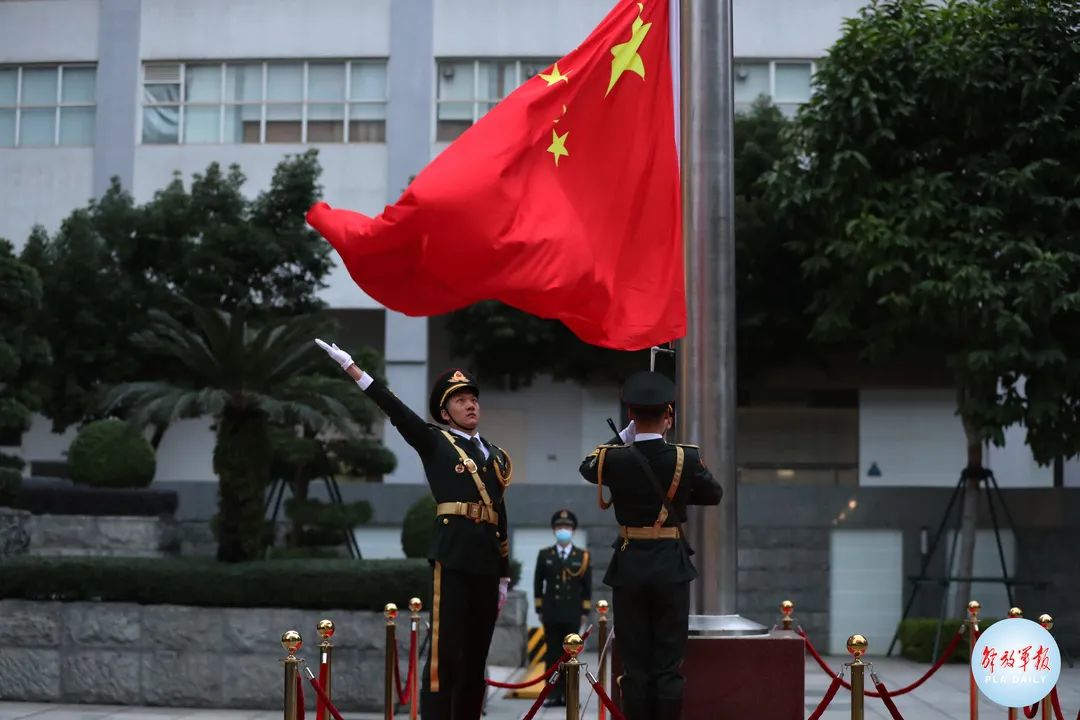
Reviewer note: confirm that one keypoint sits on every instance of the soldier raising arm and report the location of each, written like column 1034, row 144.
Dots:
column 469, row 551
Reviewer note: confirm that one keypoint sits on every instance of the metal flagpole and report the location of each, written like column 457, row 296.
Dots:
column 707, row 355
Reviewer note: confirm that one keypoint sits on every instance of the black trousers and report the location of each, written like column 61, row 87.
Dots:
column 463, row 611
column 651, row 625
column 554, row 632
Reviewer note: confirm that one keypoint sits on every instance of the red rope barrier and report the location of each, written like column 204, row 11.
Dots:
column 616, row 714
column 540, row 698
column 902, row 691
column 299, row 698
column 402, row 697
column 1031, row 712
column 887, row 699
column 829, row 695
column 324, row 670
column 539, row 678
column 322, row 696
column 1055, row 702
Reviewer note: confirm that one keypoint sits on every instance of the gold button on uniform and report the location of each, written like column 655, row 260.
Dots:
column 446, row 521
column 498, row 534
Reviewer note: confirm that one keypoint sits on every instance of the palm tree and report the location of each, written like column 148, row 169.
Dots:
column 246, row 377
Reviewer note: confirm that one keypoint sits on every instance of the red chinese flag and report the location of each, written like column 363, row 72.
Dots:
column 563, row 201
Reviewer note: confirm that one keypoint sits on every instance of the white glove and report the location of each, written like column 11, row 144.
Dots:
column 340, row 356
column 628, row 433
column 504, row 587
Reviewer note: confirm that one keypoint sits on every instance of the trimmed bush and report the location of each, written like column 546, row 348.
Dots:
column 10, row 482
column 313, row 584
column 51, row 496
column 418, row 527
column 111, row 453
column 917, row 638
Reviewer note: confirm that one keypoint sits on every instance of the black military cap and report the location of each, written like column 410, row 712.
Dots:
column 564, row 517
column 448, row 383
column 648, row 389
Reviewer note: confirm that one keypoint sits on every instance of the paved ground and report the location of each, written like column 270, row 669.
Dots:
column 943, row 696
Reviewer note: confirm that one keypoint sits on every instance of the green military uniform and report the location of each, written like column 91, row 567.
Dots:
column 469, row 549
column 650, row 571
column 562, row 591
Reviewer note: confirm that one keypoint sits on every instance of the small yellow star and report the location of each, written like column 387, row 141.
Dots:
column 554, row 76
column 558, row 146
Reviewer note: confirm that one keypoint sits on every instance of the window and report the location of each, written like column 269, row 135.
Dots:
column 47, row 105
column 785, row 82
column 317, row 101
column 469, row 88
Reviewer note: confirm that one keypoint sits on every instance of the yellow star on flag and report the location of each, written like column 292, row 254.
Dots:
column 558, row 146
column 554, row 76
column 625, row 55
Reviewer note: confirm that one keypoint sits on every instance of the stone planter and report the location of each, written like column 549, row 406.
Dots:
column 103, row 536
column 14, row 532
column 181, row 656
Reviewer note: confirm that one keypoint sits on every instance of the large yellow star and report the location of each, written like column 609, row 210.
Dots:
column 554, row 76
column 625, row 55
column 558, row 146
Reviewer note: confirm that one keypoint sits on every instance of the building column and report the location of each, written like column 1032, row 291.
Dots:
column 411, row 77
column 119, row 28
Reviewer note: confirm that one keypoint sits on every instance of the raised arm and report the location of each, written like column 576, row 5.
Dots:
column 411, row 426
column 704, row 488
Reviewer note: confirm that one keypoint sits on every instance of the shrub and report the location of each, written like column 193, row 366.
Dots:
column 312, row 583
column 10, row 482
column 418, row 527
column 111, row 453
column 917, row 638
column 52, row 496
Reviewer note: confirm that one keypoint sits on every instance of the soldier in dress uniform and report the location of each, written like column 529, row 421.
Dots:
column 651, row 482
column 562, row 589
column 469, row 551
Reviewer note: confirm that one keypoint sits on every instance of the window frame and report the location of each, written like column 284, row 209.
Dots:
column 57, row 105
column 223, row 104
column 476, row 100
column 772, row 62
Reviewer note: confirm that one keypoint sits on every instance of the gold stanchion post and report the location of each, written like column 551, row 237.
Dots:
column 415, row 606
column 390, row 612
column 325, row 628
column 291, row 642
column 786, row 608
column 602, row 611
column 973, row 630
column 856, row 645
column 571, row 670
column 1047, row 622
column 1015, row 612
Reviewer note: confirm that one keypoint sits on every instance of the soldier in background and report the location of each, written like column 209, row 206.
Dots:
column 651, row 482
column 562, row 588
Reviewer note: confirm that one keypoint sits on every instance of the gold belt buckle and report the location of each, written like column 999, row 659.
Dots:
column 475, row 512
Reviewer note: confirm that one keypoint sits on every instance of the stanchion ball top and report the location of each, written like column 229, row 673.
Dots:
column 602, row 607
column 1047, row 621
column 787, row 607
column 415, row 605
column 573, row 644
column 390, row 611
column 856, row 645
column 325, row 628
column 974, row 607
column 1016, row 612
column 291, row 641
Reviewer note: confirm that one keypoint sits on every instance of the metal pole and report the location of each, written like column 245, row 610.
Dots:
column 707, row 357
column 973, row 608
column 602, row 609
column 857, row 645
column 571, row 669
column 325, row 629
column 390, row 613
column 415, row 605
column 1047, row 622
column 291, row 642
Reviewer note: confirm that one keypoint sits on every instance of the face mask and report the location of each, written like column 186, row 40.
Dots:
column 563, row 535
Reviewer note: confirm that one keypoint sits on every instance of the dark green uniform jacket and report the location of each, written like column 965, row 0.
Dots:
column 563, row 590
column 637, row 504
column 457, row 542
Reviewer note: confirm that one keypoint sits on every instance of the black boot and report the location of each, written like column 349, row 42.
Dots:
column 669, row 709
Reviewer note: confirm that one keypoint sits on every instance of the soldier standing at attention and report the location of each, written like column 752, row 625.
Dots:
column 469, row 551
column 651, row 482
column 562, row 588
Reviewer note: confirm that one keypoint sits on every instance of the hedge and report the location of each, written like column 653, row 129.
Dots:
column 10, row 482
column 310, row 584
column 917, row 638
column 111, row 453
column 50, row 496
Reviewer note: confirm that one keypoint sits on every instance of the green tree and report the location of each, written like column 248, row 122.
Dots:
column 22, row 351
column 934, row 193
column 113, row 262
column 247, row 377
